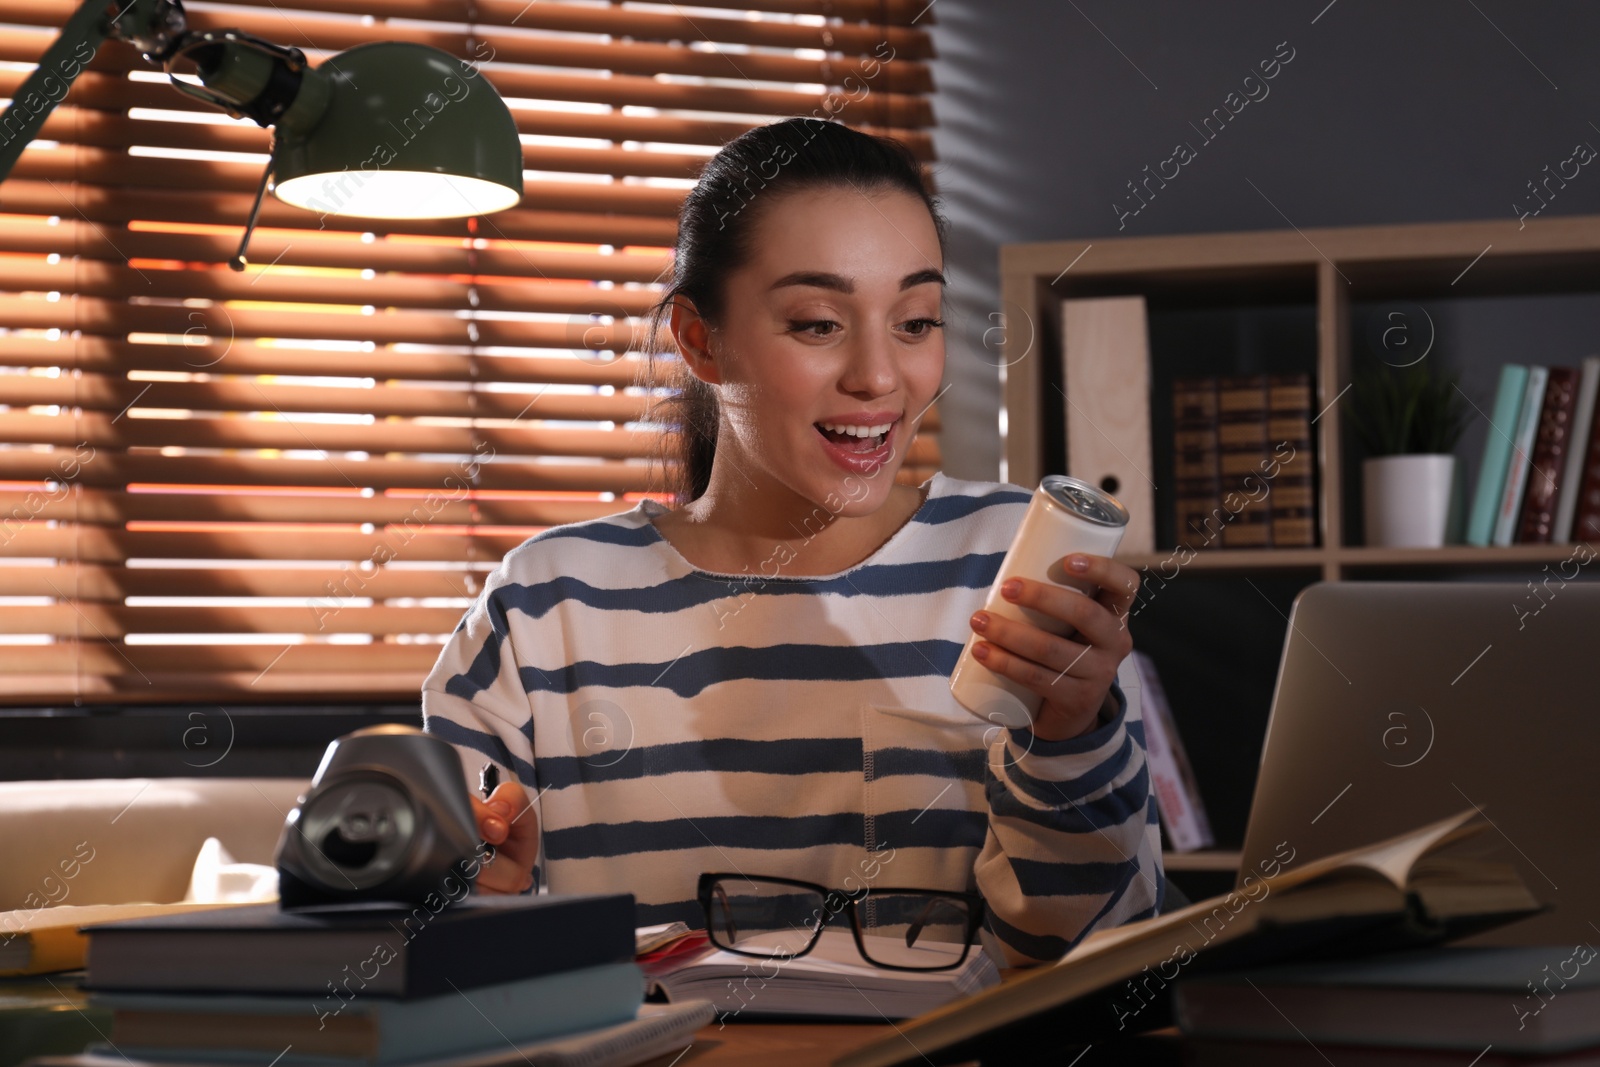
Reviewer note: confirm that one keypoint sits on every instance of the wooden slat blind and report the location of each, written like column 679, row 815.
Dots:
column 287, row 484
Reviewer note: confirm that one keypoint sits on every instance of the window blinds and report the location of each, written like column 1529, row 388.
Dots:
column 287, row 484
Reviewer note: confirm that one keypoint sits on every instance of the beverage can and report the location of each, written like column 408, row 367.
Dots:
column 1066, row 515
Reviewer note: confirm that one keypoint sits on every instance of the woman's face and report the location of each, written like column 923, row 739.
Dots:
column 832, row 322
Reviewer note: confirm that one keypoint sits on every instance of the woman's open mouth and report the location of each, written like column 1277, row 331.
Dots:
column 858, row 448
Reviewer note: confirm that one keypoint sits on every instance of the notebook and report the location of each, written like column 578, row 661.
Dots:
column 371, row 948
column 657, row 1030
column 831, row 981
column 368, row 1030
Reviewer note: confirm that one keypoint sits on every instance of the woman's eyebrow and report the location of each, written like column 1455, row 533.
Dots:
column 922, row 277
column 827, row 280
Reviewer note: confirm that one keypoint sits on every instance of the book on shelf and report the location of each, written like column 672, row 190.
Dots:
column 1415, row 889
column 1105, row 355
column 1586, row 504
column 361, row 1029
column 1292, row 495
column 1178, row 800
column 1520, row 999
column 1547, row 463
column 1505, row 521
column 1241, row 448
column 830, row 981
column 1497, row 452
column 1577, row 450
column 1534, row 471
column 1243, row 464
column 370, row 948
column 1194, row 466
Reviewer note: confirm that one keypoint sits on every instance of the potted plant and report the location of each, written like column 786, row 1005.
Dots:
column 1409, row 420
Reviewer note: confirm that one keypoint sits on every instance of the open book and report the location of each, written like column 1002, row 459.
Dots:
column 832, row 981
column 1415, row 889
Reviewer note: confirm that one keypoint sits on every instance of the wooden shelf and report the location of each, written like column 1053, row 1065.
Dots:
column 1165, row 564
column 1249, row 559
column 1455, row 556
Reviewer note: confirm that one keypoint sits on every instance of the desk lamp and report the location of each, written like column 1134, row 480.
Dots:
column 383, row 130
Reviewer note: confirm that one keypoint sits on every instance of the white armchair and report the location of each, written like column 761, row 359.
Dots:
column 129, row 840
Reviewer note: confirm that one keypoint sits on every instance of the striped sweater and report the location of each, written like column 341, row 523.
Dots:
column 672, row 720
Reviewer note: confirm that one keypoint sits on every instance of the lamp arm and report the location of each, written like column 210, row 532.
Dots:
column 60, row 65
column 240, row 73
column 66, row 58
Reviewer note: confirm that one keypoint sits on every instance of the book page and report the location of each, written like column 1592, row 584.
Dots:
column 1392, row 860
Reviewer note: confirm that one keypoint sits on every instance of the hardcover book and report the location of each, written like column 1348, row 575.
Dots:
column 1548, row 462
column 1497, row 446
column 383, row 949
column 1291, row 499
column 1194, row 463
column 1520, row 460
column 1577, row 450
column 1241, row 450
column 1525, row 999
column 1586, row 508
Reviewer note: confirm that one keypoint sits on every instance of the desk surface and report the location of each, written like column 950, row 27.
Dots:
column 739, row 1044
column 753, row 1044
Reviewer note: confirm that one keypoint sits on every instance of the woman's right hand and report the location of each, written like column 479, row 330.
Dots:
column 508, row 822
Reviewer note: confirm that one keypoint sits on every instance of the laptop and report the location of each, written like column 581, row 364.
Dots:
column 1399, row 703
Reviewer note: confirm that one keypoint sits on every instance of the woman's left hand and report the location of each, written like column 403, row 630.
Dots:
column 1072, row 674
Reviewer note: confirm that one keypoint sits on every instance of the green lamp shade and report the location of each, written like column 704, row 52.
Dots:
column 407, row 132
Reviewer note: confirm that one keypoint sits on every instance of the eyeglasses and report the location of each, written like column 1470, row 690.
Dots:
column 908, row 929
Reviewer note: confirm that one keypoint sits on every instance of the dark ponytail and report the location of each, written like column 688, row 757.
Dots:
column 714, row 227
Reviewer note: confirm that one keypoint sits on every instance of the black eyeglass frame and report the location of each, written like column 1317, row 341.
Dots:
column 832, row 907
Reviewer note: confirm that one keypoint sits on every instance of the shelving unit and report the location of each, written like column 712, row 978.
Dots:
column 1314, row 276
column 1330, row 266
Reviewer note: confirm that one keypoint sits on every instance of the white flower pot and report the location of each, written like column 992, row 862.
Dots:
column 1407, row 499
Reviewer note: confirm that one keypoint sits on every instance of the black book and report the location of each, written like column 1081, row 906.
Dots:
column 377, row 949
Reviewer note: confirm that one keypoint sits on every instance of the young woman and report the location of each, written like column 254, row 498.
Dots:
column 757, row 680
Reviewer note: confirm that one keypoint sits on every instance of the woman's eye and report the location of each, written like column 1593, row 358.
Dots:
column 919, row 327
column 814, row 327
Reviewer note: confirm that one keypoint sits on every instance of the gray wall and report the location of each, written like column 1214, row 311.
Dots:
column 1388, row 112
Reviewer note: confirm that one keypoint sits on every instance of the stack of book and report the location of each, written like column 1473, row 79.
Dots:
column 368, row 983
column 1539, row 481
column 1243, row 462
column 1487, row 1005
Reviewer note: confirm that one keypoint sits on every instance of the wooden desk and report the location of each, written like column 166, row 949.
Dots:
column 759, row 1044
column 762, row 1044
